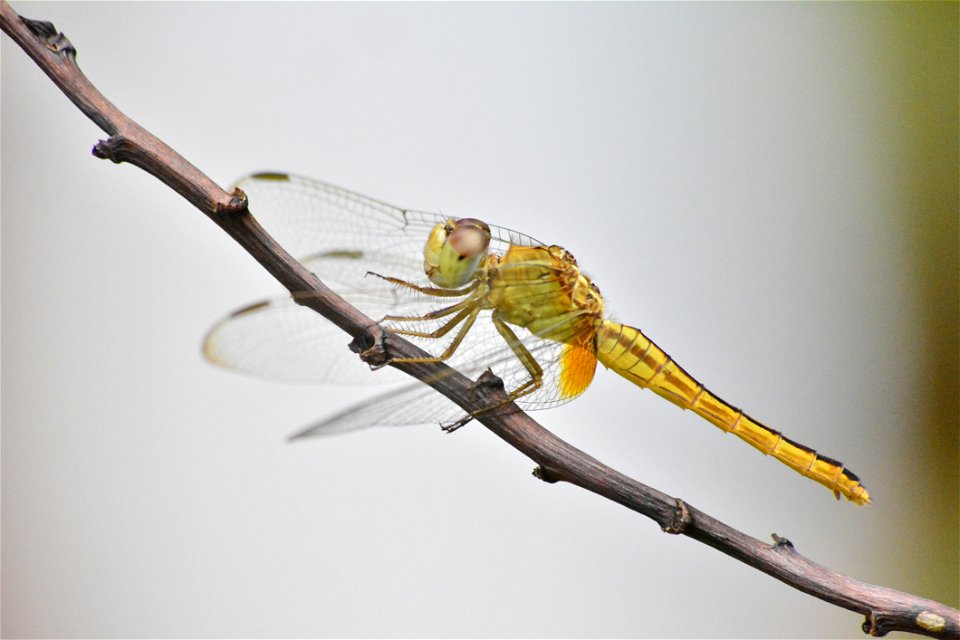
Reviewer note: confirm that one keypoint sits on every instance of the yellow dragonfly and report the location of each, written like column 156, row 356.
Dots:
column 478, row 296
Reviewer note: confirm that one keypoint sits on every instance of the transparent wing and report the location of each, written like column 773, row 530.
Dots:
column 341, row 236
column 417, row 403
column 409, row 405
column 284, row 341
column 281, row 340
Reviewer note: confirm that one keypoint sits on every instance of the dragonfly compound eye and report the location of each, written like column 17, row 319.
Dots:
column 465, row 244
column 470, row 238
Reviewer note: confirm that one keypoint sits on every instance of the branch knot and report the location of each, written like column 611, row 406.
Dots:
column 237, row 205
column 112, row 149
column 548, row 475
column 781, row 543
column 369, row 346
column 681, row 518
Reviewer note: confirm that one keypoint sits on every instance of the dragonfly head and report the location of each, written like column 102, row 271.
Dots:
column 454, row 251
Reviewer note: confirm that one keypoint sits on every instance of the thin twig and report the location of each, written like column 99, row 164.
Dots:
column 885, row 609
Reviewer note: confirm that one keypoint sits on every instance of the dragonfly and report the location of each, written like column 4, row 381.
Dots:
column 478, row 296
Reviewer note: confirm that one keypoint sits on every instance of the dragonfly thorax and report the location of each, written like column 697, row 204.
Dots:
column 454, row 251
column 542, row 289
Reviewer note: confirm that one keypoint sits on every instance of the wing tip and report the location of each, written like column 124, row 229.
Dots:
column 210, row 347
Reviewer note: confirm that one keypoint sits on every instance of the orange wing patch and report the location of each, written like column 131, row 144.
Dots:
column 578, row 362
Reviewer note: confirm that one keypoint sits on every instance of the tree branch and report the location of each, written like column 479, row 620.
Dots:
column 885, row 609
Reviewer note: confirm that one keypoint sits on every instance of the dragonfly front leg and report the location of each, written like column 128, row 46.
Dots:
column 529, row 363
column 466, row 312
column 429, row 291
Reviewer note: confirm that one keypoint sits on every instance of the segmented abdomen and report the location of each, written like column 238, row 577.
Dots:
column 635, row 357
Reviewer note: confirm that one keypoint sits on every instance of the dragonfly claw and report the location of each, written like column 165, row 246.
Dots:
column 453, row 426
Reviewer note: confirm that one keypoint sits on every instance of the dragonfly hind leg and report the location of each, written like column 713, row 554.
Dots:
column 529, row 363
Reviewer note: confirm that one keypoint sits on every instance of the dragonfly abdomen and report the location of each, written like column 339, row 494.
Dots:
column 638, row 359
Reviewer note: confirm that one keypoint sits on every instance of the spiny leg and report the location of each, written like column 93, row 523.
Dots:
column 529, row 363
column 433, row 315
column 429, row 291
column 467, row 316
column 465, row 311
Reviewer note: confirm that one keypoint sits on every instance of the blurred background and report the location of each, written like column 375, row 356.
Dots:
column 769, row 191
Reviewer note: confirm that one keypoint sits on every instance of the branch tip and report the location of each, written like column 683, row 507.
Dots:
column 930, row 621
column 53, row 40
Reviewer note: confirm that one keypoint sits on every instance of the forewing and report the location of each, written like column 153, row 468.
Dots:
column 341, row 235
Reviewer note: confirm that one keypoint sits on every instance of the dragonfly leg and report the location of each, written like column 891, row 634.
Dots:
column 468, row 316
column 433, row 315
column 429, row 291
column 529, row 363
column 442, row 331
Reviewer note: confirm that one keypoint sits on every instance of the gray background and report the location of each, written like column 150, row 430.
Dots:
column 768, row 190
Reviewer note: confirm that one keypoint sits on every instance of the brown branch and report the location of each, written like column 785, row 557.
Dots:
column 885, row 609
